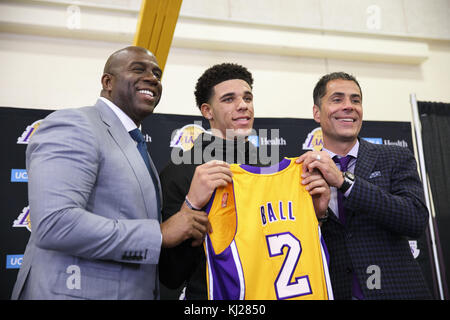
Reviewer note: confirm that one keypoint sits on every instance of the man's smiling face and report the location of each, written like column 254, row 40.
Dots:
column 230, row 109
column 340, row 113
column 134, row 83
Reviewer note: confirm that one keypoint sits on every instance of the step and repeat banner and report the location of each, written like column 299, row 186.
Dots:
column 165, row 135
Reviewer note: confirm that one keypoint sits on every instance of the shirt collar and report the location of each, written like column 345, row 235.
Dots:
column 126, row 120
column 353, row 151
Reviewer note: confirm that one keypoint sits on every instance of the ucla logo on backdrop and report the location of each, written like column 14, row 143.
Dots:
column 401, row 143
column 314, row 140
column 23, row 220
column 14, row 261
column 184, row 138
column 254, row 139
column 263, row 140
column 19, row 175
column 374, row 140
column 28, row 133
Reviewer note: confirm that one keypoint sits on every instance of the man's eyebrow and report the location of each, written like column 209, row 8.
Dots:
column 233, row 94
column 138, row 63
column 228, row 95
column 145, row 64
column 341, row 94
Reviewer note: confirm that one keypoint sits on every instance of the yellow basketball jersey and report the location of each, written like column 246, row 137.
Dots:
column 266, row 242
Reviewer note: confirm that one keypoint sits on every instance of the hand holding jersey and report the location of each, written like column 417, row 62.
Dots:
column 186, row 224
column 256, row 218
column 207, row 178
column 319, row 190
column 322, row 162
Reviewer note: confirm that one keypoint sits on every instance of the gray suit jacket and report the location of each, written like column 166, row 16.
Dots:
column 94, row 218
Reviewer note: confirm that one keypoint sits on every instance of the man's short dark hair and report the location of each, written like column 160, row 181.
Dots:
column 217, row 74
column 321, row 87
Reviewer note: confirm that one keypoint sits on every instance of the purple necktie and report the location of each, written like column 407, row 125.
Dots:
column 343, row 162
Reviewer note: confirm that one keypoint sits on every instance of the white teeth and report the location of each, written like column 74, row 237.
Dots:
column 346, row 120
column 146, row 92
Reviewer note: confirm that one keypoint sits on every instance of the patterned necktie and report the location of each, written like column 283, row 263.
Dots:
column 343, row 162
column 142, row 147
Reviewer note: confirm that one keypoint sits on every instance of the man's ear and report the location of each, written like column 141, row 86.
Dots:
column 107, row 82
column 316, row 113
column 206, row 111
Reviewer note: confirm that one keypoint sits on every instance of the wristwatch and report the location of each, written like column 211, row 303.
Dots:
column 349, row 179
column 324, row 218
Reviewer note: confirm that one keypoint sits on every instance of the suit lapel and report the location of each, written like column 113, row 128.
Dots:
column 155, row 172
column 367, row 158
column 128, row 147
column 365, row 162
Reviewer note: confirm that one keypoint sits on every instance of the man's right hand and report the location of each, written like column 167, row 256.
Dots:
column 183, row 225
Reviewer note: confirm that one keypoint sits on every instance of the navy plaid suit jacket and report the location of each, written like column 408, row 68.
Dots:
column 384, row 208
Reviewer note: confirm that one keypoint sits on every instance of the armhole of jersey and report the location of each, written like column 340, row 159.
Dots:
column 220, row 248
column 222, row 216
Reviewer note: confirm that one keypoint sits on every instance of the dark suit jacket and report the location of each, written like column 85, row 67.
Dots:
column 384, row 208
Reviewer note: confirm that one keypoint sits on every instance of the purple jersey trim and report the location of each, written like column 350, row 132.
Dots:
column 223, row 267
column 226, row 286
column 210, row 202
column 326, row 265
column 283, row 164
column 325, row 249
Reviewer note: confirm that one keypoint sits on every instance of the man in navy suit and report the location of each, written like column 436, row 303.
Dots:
column 377, row 200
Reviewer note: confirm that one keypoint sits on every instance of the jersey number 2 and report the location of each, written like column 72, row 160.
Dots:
column 285, row 286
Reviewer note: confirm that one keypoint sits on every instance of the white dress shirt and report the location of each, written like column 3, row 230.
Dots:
column 126, row 120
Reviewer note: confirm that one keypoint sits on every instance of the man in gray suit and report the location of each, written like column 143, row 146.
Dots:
column 95, row 202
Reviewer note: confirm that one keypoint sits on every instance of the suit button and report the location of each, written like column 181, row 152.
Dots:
column 349, row 270
column 349, row 235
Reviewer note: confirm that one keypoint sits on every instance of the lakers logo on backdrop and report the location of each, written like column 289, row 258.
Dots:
column 314, row 140
column 23, row 220
column 184, row 138
column 28, row 133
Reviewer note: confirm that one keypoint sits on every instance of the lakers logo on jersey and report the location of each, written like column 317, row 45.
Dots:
column 266, row 240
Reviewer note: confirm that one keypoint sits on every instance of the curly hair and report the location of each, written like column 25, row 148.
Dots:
column 321, row 87
column 217, row 74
